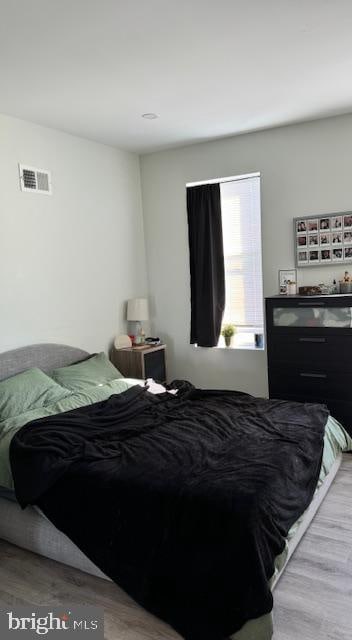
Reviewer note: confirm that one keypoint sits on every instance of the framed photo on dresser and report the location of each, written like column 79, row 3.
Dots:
column 323, row 239
column 286, row 277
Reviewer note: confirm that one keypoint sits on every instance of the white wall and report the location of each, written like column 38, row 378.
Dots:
column 306, row 169
column 69, row 261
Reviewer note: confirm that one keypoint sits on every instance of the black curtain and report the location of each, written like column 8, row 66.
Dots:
column 206, row 263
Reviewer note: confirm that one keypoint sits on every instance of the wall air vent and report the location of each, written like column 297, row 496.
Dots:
column 35, row 180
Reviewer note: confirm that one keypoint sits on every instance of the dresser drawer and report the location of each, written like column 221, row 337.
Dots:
column 329, row 315
column 322, row 352
column 310, row 383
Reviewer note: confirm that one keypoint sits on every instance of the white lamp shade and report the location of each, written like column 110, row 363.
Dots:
column 137, row 309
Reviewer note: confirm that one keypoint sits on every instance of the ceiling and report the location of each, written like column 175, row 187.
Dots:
column 207, row 68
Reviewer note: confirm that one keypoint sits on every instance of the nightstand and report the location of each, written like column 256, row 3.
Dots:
column 142, row 363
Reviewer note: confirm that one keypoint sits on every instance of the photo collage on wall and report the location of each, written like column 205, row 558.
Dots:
column 323, row 240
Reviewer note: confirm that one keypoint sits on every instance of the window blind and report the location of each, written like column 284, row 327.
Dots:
column 241, row 223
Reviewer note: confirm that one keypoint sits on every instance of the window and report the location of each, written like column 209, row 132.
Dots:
column 241, row 223
column 239, row 214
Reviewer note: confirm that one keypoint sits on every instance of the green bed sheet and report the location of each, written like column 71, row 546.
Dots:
column 73, row 400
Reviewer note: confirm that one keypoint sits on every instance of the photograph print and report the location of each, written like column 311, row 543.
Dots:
column 325, row 255
column 301, row 226
column 313, row 239
column 302, row 241
column 347, row 221
column 336, row 238
column 312, row 225
column 337, row 254
column 324, row 238
column 336, row 222
column 313, row 256
column 302, row 257
column 324, row 224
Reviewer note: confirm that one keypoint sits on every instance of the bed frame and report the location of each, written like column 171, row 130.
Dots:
column 31, row 530
column 47, row 356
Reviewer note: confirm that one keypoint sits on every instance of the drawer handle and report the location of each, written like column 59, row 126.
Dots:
column 311, row 304
column 312, row 339
column 313, row 375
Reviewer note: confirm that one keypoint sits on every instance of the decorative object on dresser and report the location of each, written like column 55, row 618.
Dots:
column 287, row 280
column 345, row 285
column 310, row 351
column 312, row 290
column 141, row 362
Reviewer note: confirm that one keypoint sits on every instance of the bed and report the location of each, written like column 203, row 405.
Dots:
column 31, row 530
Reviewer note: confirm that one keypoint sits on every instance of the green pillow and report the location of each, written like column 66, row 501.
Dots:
column 93, row 372
column 26, row 391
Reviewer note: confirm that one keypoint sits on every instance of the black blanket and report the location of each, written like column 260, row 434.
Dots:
column 183, row 501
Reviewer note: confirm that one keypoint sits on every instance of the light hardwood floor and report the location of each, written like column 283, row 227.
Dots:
column 312, row 600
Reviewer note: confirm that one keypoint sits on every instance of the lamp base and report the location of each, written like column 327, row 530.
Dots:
column 135, row 332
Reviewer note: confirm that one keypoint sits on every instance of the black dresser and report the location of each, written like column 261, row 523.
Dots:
column 309, row 342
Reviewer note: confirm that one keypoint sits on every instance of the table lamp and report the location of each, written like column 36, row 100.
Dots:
column 137, row 312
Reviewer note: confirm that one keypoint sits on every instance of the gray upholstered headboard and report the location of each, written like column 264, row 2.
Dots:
column 45, row 356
